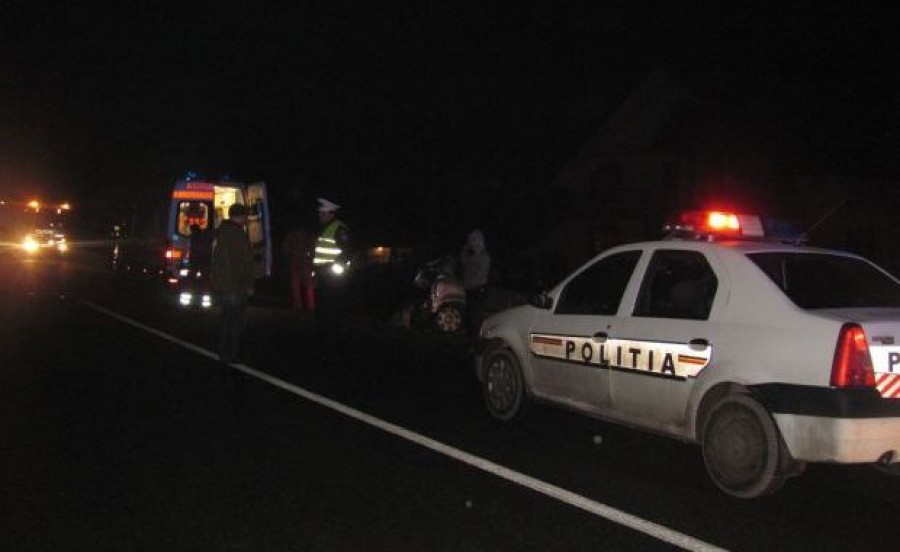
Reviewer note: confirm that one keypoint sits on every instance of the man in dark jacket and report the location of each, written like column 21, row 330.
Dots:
column 232, row 278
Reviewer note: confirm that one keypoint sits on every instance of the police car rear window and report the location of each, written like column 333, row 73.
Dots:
column 823, row 281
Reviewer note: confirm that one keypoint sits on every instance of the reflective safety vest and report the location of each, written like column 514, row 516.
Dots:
column 327, row 248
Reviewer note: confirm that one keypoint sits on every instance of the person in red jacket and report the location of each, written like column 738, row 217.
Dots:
column 298, row 248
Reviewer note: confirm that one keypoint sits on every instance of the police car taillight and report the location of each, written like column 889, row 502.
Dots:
column 852, row 365
column 715, row 224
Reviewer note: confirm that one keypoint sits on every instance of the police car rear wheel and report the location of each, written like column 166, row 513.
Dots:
column 449, row 318
column 503, row 385
column 742, row 449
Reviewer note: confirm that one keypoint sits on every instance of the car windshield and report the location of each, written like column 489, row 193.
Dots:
column 825, row 281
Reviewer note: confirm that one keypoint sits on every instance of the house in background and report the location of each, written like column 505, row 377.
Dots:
column 623, row 183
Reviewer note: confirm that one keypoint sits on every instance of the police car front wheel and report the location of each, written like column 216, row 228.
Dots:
column 742, row 449
column 503, row 386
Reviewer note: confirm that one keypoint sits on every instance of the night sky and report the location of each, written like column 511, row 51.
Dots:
column 369, row 104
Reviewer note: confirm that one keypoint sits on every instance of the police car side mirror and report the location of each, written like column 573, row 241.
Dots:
column 542, row 300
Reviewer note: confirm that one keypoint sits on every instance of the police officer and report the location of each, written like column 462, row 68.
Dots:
column 331, row 263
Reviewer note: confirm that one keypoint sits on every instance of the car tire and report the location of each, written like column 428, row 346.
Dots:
column 742, row 449
column 449, row 318
column 503, row 386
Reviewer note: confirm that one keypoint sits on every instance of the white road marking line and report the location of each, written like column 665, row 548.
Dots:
column 615, row 515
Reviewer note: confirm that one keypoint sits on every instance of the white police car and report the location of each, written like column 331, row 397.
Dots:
column 767, row 354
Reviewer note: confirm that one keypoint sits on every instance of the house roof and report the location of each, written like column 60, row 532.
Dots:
column 635, row 125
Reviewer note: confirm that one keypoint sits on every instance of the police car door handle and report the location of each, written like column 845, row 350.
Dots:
column 698, row 343
column 601, row 337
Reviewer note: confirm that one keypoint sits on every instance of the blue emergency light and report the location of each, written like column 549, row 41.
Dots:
column 719, row 225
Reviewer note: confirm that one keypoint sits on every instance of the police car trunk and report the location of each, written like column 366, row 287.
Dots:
column 827, row 348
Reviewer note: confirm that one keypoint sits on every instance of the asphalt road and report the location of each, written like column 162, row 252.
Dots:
column 119, row 431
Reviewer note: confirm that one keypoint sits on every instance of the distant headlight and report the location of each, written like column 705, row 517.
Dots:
column 62, row 247
column 30, row 244
column 337, row 268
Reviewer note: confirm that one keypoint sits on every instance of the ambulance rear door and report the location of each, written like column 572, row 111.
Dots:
column 258, row 227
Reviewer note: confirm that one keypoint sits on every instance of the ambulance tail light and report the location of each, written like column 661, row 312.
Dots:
column 852, row 365
column 172, row 253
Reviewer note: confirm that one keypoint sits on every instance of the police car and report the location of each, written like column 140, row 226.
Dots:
column 765, row 352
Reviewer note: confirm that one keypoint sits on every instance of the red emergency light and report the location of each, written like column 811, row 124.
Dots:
column 715, row 224
column 722, row 222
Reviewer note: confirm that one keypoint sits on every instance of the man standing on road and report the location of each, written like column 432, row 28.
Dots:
column 232, row 278
column 331, row 262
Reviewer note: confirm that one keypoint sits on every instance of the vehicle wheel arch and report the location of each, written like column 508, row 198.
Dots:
column 505, row 389
column 710, row 398
column 512, row 341
column 785, row 466
column 713, row 395
column 484, row 347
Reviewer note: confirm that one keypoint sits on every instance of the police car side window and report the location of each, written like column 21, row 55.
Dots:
column 678, row 284
column 822, row 281
column 599, row 288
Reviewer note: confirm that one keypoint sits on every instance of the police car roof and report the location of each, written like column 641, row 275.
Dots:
column 759, row 246
column 738, row 246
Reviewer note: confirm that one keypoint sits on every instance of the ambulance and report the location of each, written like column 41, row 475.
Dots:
column 201, row 205
column 765, row 352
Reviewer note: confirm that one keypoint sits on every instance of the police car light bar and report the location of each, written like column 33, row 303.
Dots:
column 715, row 224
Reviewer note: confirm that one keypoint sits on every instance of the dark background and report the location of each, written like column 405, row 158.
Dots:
column 460, row 110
